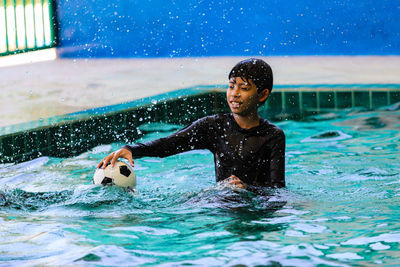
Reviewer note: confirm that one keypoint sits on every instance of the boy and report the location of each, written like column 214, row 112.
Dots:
column 248, row 150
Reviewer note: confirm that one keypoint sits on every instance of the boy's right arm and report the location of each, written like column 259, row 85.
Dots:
column 194, row 136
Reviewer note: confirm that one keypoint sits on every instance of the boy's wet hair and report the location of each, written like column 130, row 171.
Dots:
column 256, row 70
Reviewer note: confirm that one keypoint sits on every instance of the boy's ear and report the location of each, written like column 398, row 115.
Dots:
column 263, row 95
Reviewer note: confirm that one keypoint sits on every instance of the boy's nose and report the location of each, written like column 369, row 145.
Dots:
column 236, row 92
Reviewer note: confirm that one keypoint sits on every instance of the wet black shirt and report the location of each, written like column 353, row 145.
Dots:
column 256, row 155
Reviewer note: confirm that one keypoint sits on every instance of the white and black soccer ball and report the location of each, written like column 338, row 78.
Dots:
column 121, row 175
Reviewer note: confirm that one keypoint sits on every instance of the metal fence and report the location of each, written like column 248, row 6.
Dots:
column 26, row 25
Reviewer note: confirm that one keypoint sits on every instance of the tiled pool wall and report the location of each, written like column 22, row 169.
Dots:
column 72, row 134
column 297, row 102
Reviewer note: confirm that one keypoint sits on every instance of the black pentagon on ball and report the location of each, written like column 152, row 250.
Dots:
column 124, row 171
column 106, row 181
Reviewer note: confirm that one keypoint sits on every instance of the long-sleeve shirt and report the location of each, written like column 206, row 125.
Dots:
column 256, row 156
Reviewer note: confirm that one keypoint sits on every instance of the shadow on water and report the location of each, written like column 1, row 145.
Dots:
column 31, row 201
column 245, row 224
column 245, row 220
column 89, row 198
column 386, row 118
column 245, row 209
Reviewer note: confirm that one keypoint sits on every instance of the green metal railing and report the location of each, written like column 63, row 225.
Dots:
column 26, row 25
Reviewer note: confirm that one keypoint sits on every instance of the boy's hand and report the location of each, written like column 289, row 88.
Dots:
column 122, row 153
column 234, row 180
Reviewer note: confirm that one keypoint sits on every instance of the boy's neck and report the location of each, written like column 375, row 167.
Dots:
column 247, row 122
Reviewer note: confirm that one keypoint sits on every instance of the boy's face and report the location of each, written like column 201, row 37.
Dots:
column 242, row 96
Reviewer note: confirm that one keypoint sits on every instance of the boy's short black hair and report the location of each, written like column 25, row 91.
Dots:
column 256, row 70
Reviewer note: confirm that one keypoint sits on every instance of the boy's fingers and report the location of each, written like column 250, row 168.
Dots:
column 105, row 161
column 233, row 178
column 99, row 165
column 127, row 155
column 241, row 186
column 115, row 157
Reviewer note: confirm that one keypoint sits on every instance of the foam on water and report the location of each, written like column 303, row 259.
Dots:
column 340, row 207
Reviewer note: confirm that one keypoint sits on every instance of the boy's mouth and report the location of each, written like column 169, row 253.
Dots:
column 235, row 104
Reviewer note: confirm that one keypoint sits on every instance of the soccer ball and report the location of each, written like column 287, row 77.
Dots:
column 121, row 175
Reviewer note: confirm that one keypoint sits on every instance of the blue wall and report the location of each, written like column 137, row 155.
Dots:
column 163, row 28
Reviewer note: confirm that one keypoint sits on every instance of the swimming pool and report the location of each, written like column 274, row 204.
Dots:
column 340, row 207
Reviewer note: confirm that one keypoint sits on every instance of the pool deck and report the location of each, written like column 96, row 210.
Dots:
column 38, row 90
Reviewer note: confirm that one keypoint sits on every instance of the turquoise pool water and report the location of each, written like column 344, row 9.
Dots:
column 340, row 207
